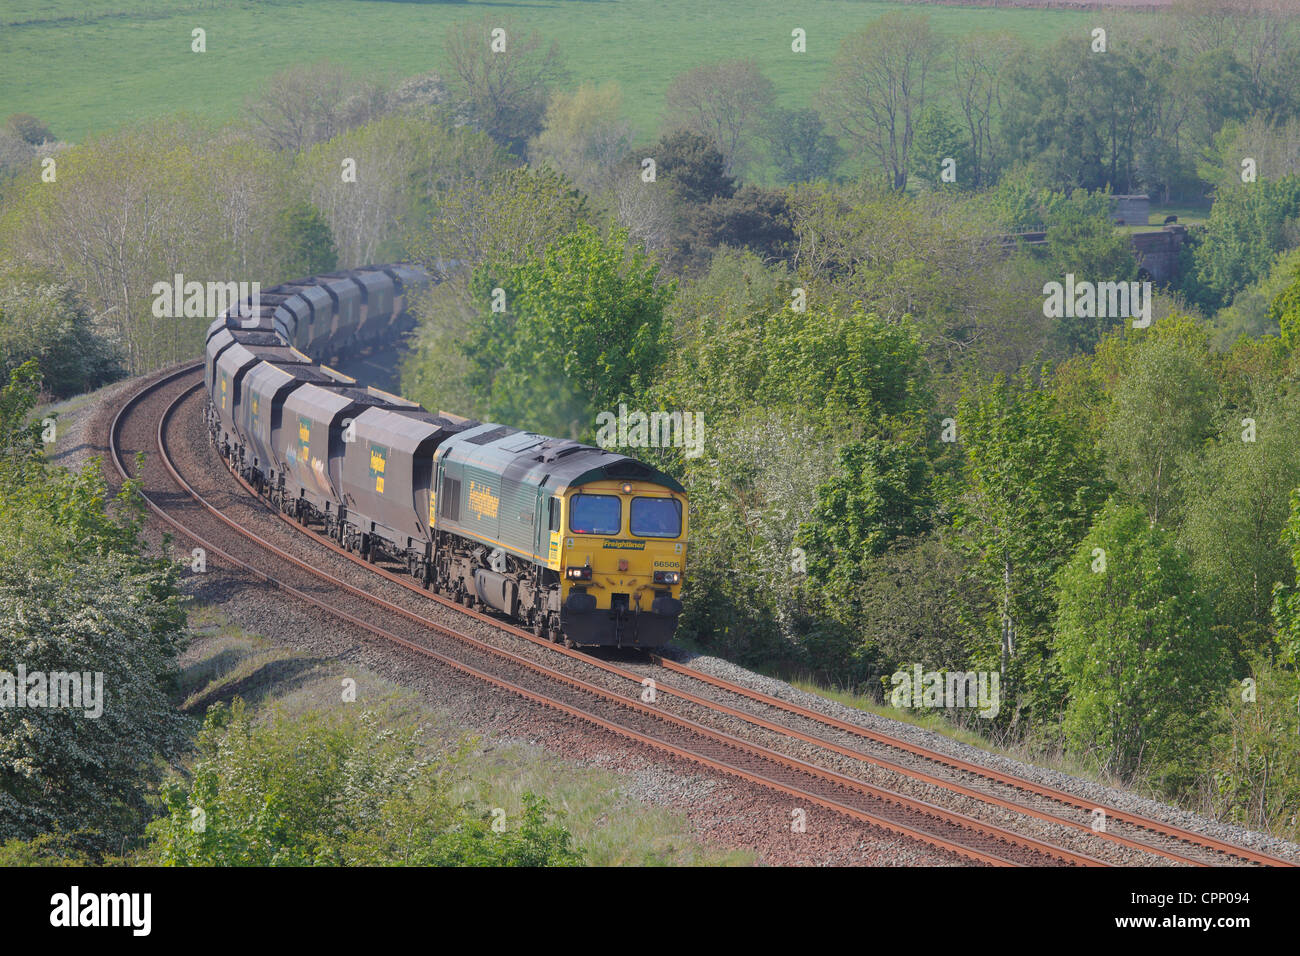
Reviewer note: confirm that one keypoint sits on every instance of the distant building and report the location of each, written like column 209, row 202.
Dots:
column 1131, row 210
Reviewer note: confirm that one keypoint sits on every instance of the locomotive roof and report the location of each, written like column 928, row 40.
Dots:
column 550, row 462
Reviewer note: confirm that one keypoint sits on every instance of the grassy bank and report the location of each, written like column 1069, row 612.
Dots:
column 608, row 825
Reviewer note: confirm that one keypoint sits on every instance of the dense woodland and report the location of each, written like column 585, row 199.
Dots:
column 905, row 461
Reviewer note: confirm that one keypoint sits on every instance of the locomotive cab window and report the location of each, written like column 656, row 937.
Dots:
column 595, row 514
column 656, row 517
column 554, row 523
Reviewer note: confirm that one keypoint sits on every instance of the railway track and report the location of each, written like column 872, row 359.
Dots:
column 625, row 713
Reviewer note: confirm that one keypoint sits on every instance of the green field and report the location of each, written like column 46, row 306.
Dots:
column 85, row 67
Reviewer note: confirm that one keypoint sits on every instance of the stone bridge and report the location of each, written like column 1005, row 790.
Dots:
column 1157, row 250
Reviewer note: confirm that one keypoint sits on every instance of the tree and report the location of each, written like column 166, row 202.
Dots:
column 645, row 210
column 1083, row 241
column 48, row 849
column 136, row 207
column 584, row 135
column 16, row 154
column 41, row 320
column 1236, row 508
column 726, row 102
column 780, row 391
column 718, row 361
column 693, row 167
column 1184, row 100
column 1248, row 226
column 1029, row 488
column 937, row 147
column 748, row 494
column 364, row 211
column 582, row 330
column 1088, row 384
column 925, row 258
column 1021, row 198
column 1275, row 150
column 310, row 244
column 1284, row 311
column 800, row 146
column 691, row 171
column 1134, row 645
column 395, row 164
column 76, row 595
column 852, row 370
column 1258, row 33
column 31, row 130
column 420, row 91
column 876, row 495
column 1082, row 237
column 308, row 104
column 1079, row 114
column 504, row 218
column 878, row 86
column 911, row 602
column 1286, row 596
column 1164, row 410
column 1254, row 772
column 980, row 65
column 754, row 218
column 1259, row 309
column 504, row 78
column 1216, row 82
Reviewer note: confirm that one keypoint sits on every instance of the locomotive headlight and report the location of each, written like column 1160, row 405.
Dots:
column 627, row 487
column 667, row 577
column 579, row 574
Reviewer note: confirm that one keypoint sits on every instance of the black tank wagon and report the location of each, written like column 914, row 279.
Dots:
column 388, row 484
column 376, row 305
column 264, row 389
column 314, row 311
column 320, row 422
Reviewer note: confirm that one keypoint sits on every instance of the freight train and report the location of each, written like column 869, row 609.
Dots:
column 580, row 544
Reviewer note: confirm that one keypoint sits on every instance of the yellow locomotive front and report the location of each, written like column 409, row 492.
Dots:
column 620, row 547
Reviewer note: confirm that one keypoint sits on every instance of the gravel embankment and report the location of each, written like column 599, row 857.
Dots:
column 1093, row 792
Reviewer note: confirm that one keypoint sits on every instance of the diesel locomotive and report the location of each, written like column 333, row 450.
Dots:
column 580, row 544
